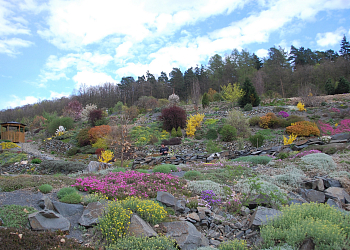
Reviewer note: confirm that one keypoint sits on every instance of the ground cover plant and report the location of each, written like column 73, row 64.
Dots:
column 144, row 243
column 131, row 183
column 15, row 215
column 165, row 168
column 254, row 159
column 309, row 220
column 8, row 157
column 341, row 127
column 142, row 135
column 45, row 188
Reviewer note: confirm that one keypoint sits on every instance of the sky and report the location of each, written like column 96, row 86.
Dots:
column 49, row 48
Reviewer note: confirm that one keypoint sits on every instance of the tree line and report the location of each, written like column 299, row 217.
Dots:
column 279, row 74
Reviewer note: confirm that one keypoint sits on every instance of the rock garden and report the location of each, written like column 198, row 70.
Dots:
column 275, row 176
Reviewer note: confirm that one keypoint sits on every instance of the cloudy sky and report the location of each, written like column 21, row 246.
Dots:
column 48, row 48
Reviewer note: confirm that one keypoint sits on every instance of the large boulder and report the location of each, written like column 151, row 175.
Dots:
column 94, row 166
column 262, row 215
column 48, row 220
column 166, row 198
column 185, row 234
column 312, row 195
column 139, row 228
column 337, row 192
column 91, row 214
column 68, row 210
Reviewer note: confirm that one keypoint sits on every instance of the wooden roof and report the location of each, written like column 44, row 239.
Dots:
column 15, row 124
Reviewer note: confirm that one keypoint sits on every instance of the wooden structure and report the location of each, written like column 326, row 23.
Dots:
column 13, row 131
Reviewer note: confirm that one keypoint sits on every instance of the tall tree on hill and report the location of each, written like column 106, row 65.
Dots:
column 177, row 83
column 250, row 95
column 345, row 48
column 216, row 69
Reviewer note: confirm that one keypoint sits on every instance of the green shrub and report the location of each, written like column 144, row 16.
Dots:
column 199, row 186
column 66, row 122
column 83, row 137
column 144, row 243
column 235, row 244
column 257, row 140
column 45, row 188
column 192, row 175
column 148, row 210
column 94, row 197
column 309, row 220
column 254, row 121
column 319, row 161
column 119, row 170
column 161, row 169
column 64, row 191
column 88, row 149
column 72, row 151
column 240, row 143
column 14, row 216
column 179, row 132
column 65, row 167
column 173, row 133
column 36, row 161
column 142, row 171
column 213, row 147
column 282, row 155
column 228, row 133
column 114, row 223
column 211, row 134
column 254, row 159
column 248, row 107
column 237, row 119
column 72, row 198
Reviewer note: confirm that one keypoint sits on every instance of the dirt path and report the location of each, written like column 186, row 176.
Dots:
column 31, row 148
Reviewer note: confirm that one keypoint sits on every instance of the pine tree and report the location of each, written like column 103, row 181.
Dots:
column 179, row 132
column 250, row 95
column 329, row 87
column 345, row 48
column 173, row 133
column 205, row 100
column 343, row 86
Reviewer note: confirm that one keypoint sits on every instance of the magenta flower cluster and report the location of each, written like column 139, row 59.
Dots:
column 131, row 183
column 284, row 114
column 326, row 129
column 301, row 154
column 335, row 110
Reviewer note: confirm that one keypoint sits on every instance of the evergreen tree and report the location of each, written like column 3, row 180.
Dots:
column 329, row 87
column 205, row 100
column 179, row 132
column 343, row 86
column 173, row 132
column 250, row 95
column 345, row 48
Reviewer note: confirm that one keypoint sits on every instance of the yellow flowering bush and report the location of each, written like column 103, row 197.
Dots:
column 106, row 156
column 328, row 227
column 290, row 140
column 193, row 123
column 301, row 106
column 144, row 243
column 148, row 210
column 100, row 143
column 9, row 145
column 115, row 222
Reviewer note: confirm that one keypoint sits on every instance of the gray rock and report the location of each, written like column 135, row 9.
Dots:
column 38, row 221
column 94, row 166
column 342, row 136
column 313, row 195
column 331, row 183
column 239, row 234
column 262, row 215
column 337, row 192
column 91, row 214
column 185, row 234
column 214, row 242
column 67, row 210
column 166, row 198
column 45, row 202
column 307, row 244
column 245, row 211
column 193, row 216
column 204, row 241
column 139, row 228
column 180, row 206
column 333, row 203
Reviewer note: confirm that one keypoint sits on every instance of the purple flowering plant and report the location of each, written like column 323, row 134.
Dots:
column 284, row 114
column 210, row 197
column 301, row 154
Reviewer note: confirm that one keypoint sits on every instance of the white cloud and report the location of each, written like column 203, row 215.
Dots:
column 18, row 101
column 330, row 38
column 261, row 53
column 91, row 78
column 11, row 46
column 123, row 49
column 56, row 95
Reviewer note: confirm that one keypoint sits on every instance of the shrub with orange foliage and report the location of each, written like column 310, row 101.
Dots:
column 269, row 120
column 99, row 132
column 303, row 128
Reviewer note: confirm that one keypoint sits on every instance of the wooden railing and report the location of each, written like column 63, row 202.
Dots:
column 13, row 136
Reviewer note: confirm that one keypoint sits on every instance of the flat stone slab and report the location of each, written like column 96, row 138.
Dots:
column 337, row 192
column 262, row 215
column 139, row 228
column 48, row 220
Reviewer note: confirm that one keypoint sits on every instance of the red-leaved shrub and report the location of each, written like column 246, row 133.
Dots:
column 94, row 116
column 173, row 117
column 99, row 132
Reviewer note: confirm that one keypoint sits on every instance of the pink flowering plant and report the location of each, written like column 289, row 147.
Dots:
column 119, row 185
column 342, row 127
column 284, row 114
column 301, row 154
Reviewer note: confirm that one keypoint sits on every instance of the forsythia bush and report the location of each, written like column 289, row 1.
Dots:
column 8, row 145
column 192, row 123
column 301, row 106
column 106, row 156
column 303, row 128
column 290, row 140
column 99, row 132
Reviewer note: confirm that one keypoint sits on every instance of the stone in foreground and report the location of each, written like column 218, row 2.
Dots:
column 48, row 220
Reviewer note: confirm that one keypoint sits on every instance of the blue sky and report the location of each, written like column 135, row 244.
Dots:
column 49, row 48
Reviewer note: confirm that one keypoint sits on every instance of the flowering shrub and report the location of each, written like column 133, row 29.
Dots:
column 235, row 244
column 86, row 111
column 114, row 223
column 290, row 140
column 193, row 123
column 60, row 131
column 131, row 183
column 174, row 99
column 334, row 110
column 301, row 154
column 73, row 110
column 284, row 114
column 144, row 135
column 148, row 210
column 99, row 132
column 106, row 156
column 343, row 126
column 303, row 128
column 143, row 243
column 210, row 197
column 8, row 145
column 268, row 120
column 301, row 106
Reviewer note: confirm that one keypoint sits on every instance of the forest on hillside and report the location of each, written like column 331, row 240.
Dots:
column 280, row 74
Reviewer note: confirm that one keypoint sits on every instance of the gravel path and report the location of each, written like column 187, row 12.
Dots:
column 33, row 149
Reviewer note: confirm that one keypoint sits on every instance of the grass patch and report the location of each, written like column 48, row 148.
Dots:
column 254, row 159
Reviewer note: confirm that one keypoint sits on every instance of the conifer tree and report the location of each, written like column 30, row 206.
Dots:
column 343, row 86
column 205, row 100
column 250, row 95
